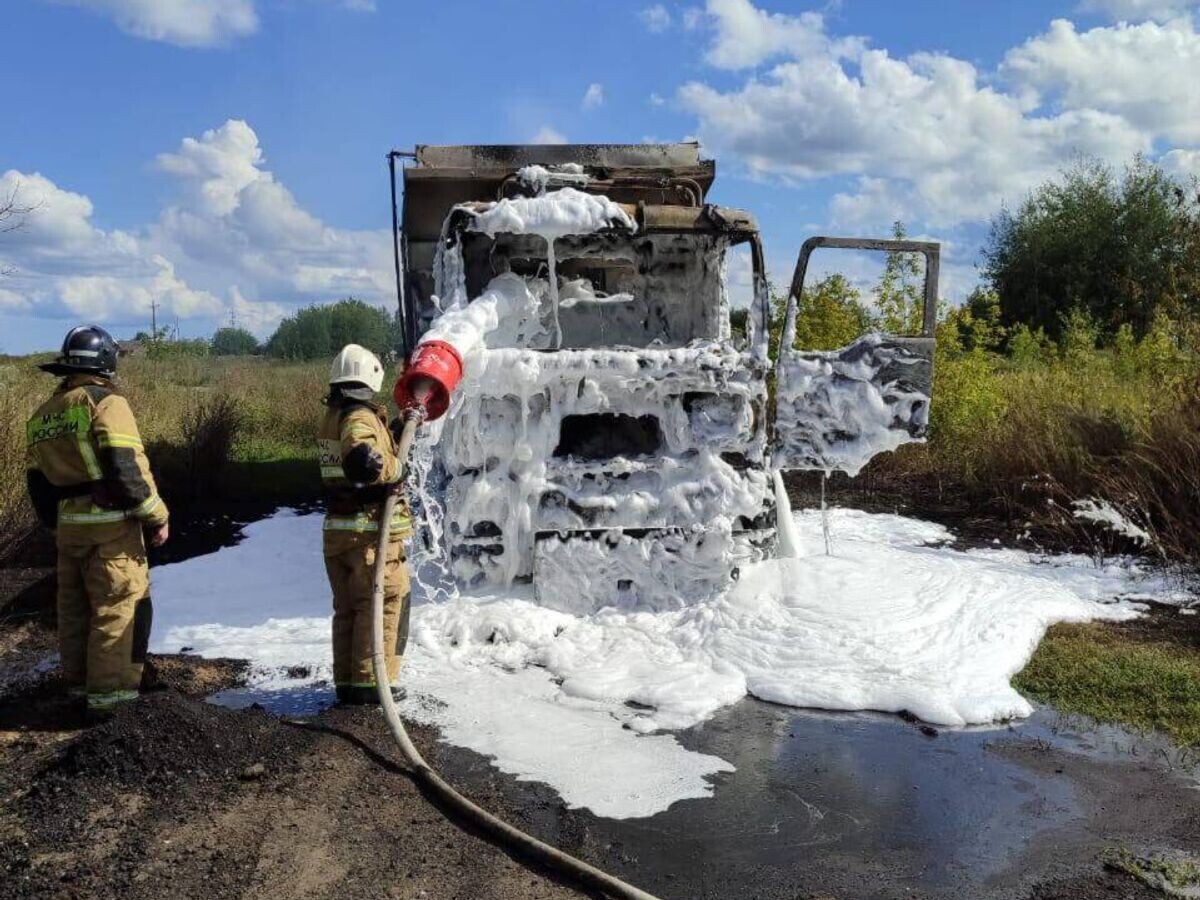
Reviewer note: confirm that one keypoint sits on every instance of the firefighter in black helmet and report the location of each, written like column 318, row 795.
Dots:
column 90, row 481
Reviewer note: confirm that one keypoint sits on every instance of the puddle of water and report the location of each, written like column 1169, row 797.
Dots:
column 860, row 786
column 305, row 699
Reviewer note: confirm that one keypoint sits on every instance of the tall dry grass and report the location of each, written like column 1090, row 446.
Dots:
column 1021, row 439
column 200, row 418
column 1026, row 443
column 18, row 399
column 1157, row 478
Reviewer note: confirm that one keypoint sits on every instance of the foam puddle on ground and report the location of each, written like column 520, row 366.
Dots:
column 894, row 619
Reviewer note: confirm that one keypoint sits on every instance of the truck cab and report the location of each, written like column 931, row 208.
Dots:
column 613, row 436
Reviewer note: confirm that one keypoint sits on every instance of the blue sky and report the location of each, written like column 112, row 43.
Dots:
column 225, row 157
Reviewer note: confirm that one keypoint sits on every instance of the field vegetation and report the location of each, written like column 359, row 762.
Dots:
column 1144, row 678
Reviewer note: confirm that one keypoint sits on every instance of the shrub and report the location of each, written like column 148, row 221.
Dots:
column 160, row 348
column 210, row 429
column 1158, row 478
column 1122, row 250
column 1030, row 349
column 318, row 332
column 831, row 315
column 233, row 342
column 899, row 295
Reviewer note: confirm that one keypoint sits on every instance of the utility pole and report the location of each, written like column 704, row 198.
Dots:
column 153, row 320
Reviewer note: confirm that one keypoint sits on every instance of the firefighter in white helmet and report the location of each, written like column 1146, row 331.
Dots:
column 359, row 467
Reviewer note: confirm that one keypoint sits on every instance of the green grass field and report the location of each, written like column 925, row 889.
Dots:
column 1151, row 683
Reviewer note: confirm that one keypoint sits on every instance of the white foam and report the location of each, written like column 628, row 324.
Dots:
column 894, row 619
column 1101, row 512
column 553, row 215
column 839, row 409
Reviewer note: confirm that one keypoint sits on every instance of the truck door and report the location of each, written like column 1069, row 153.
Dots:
column 835, row 410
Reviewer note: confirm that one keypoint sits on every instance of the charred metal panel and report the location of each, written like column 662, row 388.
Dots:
column 615, row 290
column 513, row 156
column 645, row 569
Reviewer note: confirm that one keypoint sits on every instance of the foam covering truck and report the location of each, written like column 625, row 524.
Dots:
column 613, row 438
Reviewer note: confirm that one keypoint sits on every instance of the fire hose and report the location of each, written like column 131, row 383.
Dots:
column 501, row 832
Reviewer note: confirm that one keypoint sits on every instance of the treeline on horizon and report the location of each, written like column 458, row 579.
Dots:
column 315, row 332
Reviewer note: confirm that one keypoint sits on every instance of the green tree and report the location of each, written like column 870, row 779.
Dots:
column 233, row 342
column 1030, row 349
column 831, row 315
column 739, row 323
column 320, row 331
column 1119, row 249
column 899, row 294
column 977, row 322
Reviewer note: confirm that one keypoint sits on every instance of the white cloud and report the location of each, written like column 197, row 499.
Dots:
column 547, row 134
column 656, row 18
column 191, row 23
column 739, row 277
column 62, row 264
column 257, row 316
column 1139, row 10
column 217, row 167
column 234, row 241
column 929, row 138
column 188, row 23
column 657, row 100
column 1147, row 74
column 235, row 224
column 12, row 302
column 593, row 96
column 746, row 36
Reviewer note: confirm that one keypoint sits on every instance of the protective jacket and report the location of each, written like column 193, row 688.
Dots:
column 358, row 468
column 87, row 472
column 89, row 478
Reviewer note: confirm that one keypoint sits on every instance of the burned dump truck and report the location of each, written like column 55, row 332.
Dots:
column 612, row 438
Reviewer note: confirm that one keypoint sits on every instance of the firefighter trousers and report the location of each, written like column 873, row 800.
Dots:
column 351, row 569
column 104, row 614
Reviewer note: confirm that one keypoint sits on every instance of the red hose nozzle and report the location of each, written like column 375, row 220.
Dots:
column 431, row 376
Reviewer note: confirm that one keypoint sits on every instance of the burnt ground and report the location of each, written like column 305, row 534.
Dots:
column 924, row 498
column 175, row 797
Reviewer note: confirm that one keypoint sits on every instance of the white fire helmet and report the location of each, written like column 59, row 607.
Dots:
column 358, row 364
